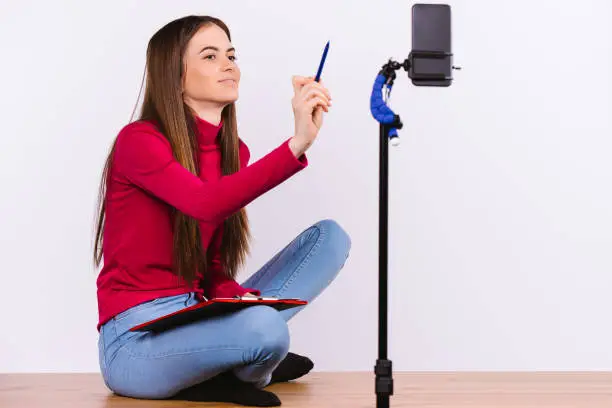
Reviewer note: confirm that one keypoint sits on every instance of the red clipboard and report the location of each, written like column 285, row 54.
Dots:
column 211, row 308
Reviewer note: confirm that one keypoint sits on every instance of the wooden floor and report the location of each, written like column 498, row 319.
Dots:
column 340, row 390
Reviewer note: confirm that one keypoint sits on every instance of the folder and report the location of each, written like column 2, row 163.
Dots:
column 213, row 308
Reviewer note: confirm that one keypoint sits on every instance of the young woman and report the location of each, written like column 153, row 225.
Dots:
column 172, row 229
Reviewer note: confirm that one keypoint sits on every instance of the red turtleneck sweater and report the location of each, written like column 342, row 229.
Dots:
column 145, row 182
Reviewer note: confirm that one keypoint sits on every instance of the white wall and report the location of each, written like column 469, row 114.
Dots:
column 500, row 201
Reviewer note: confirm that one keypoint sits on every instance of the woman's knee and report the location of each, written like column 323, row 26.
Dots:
column 267, row 330
column 336, row 238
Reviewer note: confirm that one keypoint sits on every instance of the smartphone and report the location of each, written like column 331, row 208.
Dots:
column 431, row 56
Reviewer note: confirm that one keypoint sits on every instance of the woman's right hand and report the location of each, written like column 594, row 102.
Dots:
column 309, row 101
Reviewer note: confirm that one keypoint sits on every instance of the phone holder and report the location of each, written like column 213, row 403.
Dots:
column 387, row 75
column 414, row 60
column 390, row 122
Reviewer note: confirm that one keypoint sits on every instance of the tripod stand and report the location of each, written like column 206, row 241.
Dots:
column 389, row 124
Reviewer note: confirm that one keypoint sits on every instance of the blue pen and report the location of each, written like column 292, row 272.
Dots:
column 318, row 77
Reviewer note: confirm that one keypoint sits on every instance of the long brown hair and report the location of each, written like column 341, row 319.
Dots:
column 163, row 103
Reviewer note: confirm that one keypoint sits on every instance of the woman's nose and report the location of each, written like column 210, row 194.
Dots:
column 227, row 64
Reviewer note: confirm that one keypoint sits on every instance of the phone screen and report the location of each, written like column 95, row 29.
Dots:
column 431, row 31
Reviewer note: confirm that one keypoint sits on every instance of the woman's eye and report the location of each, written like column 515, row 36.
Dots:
column 212, row 56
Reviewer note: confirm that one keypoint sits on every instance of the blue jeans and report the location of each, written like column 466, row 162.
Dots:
column 251, row 342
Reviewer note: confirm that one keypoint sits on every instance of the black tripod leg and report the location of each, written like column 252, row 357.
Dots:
column 384, row 383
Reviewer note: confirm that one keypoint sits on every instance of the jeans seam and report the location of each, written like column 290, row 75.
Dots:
column 265, row 268
column 134, row 356
column 103, row 364
column 307, row 257
column 108, row 361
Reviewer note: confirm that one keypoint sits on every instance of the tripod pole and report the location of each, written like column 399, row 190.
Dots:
column 383, row 368
column 390, row 122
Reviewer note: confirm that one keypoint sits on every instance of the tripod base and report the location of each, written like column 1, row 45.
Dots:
column 384, row 382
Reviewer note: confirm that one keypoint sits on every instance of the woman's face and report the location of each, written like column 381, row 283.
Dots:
column 211, row 75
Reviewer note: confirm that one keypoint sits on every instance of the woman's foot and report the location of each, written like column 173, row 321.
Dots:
column 225, row 387
column 292, row 367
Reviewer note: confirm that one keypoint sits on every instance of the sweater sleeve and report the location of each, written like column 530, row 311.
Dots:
column 219, row 285
column 144, row 157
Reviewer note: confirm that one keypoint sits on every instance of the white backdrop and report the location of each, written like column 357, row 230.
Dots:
column 500, row 192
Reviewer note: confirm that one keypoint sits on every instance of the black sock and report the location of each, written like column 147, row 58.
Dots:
column 227, row 388
column 292, row 367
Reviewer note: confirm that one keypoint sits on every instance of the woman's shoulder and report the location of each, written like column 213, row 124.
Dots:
column 140, row 131
column 141, row 125
column 147, row 131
